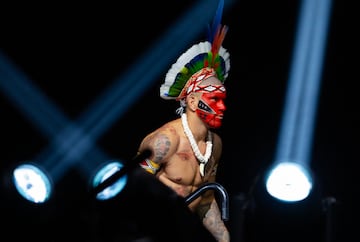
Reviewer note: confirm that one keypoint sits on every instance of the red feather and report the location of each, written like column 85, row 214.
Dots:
column 218, row 39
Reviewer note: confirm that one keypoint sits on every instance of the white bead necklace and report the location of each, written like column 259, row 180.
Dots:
column 202, row 159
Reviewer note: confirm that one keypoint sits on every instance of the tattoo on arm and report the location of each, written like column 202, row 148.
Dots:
column 202, row 209
column 213, row 222
column 161, row 147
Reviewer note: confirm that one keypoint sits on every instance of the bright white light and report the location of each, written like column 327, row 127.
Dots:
column 105, row 173
column 289, row 182
column 32, row 183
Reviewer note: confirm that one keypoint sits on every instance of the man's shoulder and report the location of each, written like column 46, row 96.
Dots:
column 173, row 126
column 216, row 137
column 171, row 130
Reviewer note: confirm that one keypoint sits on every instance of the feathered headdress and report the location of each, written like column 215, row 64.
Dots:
column 207, row 54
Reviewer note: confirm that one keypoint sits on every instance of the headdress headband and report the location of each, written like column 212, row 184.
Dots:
column 207, row 54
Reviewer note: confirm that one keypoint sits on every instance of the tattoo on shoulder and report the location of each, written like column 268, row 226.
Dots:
column 161, row 147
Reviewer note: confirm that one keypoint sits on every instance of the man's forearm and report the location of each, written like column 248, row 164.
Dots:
column 213, row 222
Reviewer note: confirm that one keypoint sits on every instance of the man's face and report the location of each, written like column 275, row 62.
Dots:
column 211, row 105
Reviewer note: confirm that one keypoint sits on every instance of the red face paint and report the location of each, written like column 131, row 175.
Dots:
column 211, row 105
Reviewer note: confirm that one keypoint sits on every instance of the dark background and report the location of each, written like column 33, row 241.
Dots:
column 72, row 53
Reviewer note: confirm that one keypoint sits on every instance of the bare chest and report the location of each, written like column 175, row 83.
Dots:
column 184, row 168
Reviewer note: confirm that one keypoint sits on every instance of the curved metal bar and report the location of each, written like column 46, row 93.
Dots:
column 220, row 190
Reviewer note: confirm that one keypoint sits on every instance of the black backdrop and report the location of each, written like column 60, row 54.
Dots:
column 72, row 53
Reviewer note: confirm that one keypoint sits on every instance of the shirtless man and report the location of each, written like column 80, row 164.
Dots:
column 185, row 152
column 173, row 160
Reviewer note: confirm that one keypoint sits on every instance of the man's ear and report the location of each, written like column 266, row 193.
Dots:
column 192, row 101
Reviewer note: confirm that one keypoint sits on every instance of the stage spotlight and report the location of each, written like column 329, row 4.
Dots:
column 289, row 182
column 32, row 183
column 104, row 173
